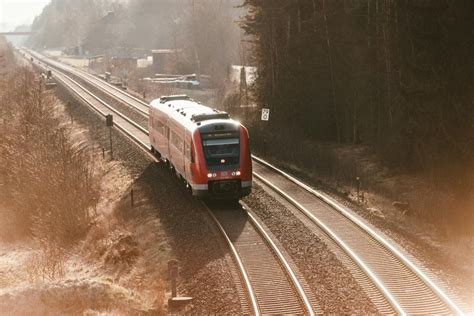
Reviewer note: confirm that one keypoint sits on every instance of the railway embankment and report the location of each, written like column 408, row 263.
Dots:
column 53, row 210
column 163, row 207
column 70, row 239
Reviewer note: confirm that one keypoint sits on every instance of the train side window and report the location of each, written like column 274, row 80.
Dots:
column 171, row 138
column 177, row 142
column 180, row 144
column 158, row 126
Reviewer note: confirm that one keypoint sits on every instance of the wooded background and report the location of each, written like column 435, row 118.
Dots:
column 394, row 74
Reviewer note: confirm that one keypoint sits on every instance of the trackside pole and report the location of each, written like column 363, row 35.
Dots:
column 109, row 121
column 175, row 302
column 111, row 147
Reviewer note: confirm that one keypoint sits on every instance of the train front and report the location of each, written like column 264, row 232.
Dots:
column 223, row 168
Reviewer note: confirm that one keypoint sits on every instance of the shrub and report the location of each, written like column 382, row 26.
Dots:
column 50, row 182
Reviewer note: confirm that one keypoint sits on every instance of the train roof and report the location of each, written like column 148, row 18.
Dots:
column 189, row 113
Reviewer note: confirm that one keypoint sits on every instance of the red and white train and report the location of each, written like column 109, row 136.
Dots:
column 206, row 148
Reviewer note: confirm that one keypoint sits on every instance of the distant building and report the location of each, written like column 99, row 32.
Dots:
column 165, row 60
column 145, row 62
column 122, row 66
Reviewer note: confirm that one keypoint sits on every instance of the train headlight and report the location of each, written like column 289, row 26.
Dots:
column 214, row 175
column 237, row 173
column 233, row 173
column 209, row 175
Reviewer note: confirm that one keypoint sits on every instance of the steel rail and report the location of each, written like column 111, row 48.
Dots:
column 113, row 87
column 341, row 243
column 283, row 261
column 238, row 260
column 276, row 287
column 363, row 226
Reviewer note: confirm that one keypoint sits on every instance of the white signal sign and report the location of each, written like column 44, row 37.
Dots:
column 265, row 114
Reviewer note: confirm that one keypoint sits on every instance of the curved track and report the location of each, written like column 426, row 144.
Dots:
column 274, row 283
column 272, row 287
column 393, row 282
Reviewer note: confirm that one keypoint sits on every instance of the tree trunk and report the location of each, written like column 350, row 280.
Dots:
column 331, row 70
column 314, row 16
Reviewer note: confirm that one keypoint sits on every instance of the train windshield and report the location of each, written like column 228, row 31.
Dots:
column 221, row 152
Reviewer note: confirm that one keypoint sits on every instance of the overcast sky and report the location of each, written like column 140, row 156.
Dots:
column 18, row 12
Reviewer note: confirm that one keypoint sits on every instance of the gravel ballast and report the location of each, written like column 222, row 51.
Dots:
column 332, row 284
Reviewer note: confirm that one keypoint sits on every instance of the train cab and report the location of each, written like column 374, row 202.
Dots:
column 205, row 147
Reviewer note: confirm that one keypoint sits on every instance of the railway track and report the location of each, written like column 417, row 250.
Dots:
column 272, row 286
column 276, row 286
column 393, row 282
column 117, row 93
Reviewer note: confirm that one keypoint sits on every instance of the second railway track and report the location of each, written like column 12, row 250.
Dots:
column 393, row 282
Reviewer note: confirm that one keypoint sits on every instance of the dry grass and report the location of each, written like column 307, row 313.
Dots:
column 50, row 187
column 50, row 183
column 46, row 265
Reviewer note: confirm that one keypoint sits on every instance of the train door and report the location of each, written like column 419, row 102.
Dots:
column 187, row 155
column 182, row 146
column 173, row 144
column 167, row 140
